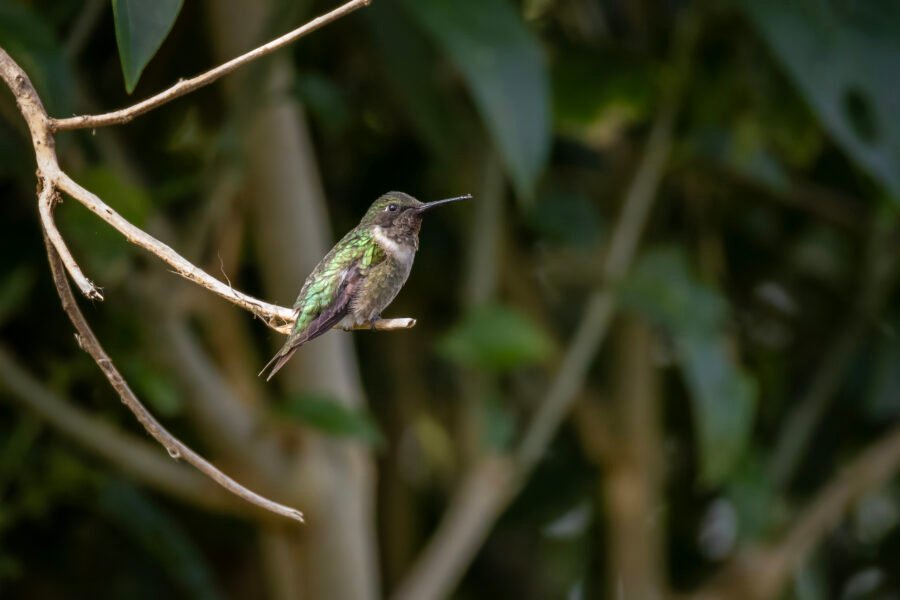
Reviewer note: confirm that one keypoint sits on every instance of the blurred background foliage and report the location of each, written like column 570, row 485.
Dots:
column 754, row 351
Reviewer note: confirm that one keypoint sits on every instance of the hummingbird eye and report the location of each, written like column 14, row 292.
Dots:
column 392, row 207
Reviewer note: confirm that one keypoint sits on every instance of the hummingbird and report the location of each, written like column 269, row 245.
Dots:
column 361, row 275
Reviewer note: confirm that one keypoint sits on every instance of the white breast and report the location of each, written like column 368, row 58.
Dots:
column 399, row 252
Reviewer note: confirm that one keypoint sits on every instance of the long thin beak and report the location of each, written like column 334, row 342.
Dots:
column 431, row 205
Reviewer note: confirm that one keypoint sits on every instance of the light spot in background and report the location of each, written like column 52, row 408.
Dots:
column 719, row 530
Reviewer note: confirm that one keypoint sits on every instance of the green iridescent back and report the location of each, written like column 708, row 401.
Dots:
column 321, row 287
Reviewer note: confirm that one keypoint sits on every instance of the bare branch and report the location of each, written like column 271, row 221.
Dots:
column 186, row 86
column 273, row 315
column 595, row 322
column 47, row 199
column 89, row 343
column 52, row 179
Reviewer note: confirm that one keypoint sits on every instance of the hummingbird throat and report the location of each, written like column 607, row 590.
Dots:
column 398, row 248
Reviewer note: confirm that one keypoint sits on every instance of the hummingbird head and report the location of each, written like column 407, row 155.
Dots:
column 396, row 210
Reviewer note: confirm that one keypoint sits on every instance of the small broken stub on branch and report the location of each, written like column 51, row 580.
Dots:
column 379, row 325
column 385, row 325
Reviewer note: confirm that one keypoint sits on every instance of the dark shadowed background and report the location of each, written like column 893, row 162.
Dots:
column 701, row 403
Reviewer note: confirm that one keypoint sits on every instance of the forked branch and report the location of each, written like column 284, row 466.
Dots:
column 90, row 344
column 52, row 180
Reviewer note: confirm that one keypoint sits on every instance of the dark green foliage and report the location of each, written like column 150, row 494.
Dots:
column 501, row 63
column 774, row 215
column 141, row 28
column 663, row 288
column 840, row 55
column 332, row 417
column 496, row 338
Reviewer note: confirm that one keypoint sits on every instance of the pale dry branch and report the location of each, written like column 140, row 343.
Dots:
column 273, row 315
column 52, row 179
column 176, row 449
column 379, row 325
column 47, row 200
column 185, row 86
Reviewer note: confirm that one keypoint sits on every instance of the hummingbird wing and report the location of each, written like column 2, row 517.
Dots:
column 326, row 296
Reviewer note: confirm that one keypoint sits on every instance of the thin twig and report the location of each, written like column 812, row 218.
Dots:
column 47, row 200
column 52, row 179
column 186, row 86
column 379, row 325
column 273, row 315
column 385, row 325
column 277, row 317
column 176, row 449
column 598, row 315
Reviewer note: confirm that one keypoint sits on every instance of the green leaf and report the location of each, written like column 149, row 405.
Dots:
column 496, row 338
column 411, row 60
column 141, row 27
column 663, row 289
column 326, row 414
column 838, row 54
column 761, row 510
column 32, row 44
column 502, row 64
column 499, row 424
column 724, row 402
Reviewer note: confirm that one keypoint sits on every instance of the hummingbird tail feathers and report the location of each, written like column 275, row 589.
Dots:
column 278, row 361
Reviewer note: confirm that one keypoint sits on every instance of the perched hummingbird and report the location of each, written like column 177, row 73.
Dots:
column 361, row 275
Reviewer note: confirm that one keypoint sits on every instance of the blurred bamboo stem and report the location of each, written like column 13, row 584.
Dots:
column 289, row 221
column 186, row 86
column 632, row 484
column 474, row 508
column 598, row 315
